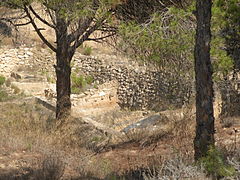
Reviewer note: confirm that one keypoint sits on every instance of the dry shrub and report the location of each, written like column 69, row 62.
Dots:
column 24, row 125
column 176, row 127
column 234, row 161
column 51, row 168
column 8, row 82
column 75, row 133
column 228, row 122
column 183, row 133
column 175, row 168
column 232, row 157
column 15, row 89
column 98, row 168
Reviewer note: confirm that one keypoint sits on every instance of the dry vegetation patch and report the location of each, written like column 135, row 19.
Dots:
column 77, row 148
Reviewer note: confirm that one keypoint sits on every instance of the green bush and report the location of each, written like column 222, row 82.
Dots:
column 3, row 95
column 2, row 80
column 50, row 79
column 80, row 82
column 215, row 164
column 75, row 90
column 87, row 51
column 89, row 79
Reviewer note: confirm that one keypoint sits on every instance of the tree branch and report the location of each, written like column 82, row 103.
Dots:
column 22, row 24
column 82, row 27
column 51, row 16
column 78, row 42
column 101, row 38
column 85, row 36
column 40, row 18
column 38, row 31
column 80, row 30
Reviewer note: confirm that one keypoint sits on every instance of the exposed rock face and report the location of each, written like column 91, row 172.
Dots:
column 25, row 59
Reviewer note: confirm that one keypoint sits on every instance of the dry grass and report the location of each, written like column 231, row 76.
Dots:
column 234, row 161
column 49, row 168
column 24, row 123
column 175, row 168
column 30, row 127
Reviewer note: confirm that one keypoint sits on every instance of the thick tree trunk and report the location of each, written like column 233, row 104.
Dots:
column 204, row 85
column 63, row 71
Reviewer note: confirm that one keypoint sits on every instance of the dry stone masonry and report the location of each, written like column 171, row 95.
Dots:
column 23, row 58
column 230, row 91
column 138, row 86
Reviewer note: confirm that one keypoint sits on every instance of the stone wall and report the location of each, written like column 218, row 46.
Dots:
column 25, row 59
column 230, row 95
column 138, row 87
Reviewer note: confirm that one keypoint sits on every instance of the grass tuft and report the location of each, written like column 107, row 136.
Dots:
column 2, row 80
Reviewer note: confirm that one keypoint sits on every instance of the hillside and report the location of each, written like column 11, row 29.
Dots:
column 128, row 120
column 98, row 110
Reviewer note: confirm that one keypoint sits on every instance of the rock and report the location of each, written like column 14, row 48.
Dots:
column 29, row 53
column 15, row 76
column 144, row 123
column 21, row 56
column 102, row 93
column 45, row 103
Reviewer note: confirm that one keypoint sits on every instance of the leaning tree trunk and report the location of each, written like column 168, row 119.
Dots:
column 63, row 71
column 204, row 85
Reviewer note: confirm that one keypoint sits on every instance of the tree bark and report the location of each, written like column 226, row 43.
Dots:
column 63, row 71
column 203, row 77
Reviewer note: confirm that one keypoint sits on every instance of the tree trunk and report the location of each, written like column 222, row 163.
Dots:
column 63, row 71
column 204, row 85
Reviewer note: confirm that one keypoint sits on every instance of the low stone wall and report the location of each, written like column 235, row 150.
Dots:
column 139, row 88
column 230, row 95
column 25, row 59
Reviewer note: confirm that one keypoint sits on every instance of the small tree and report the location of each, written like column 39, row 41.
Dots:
column 73, row 22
